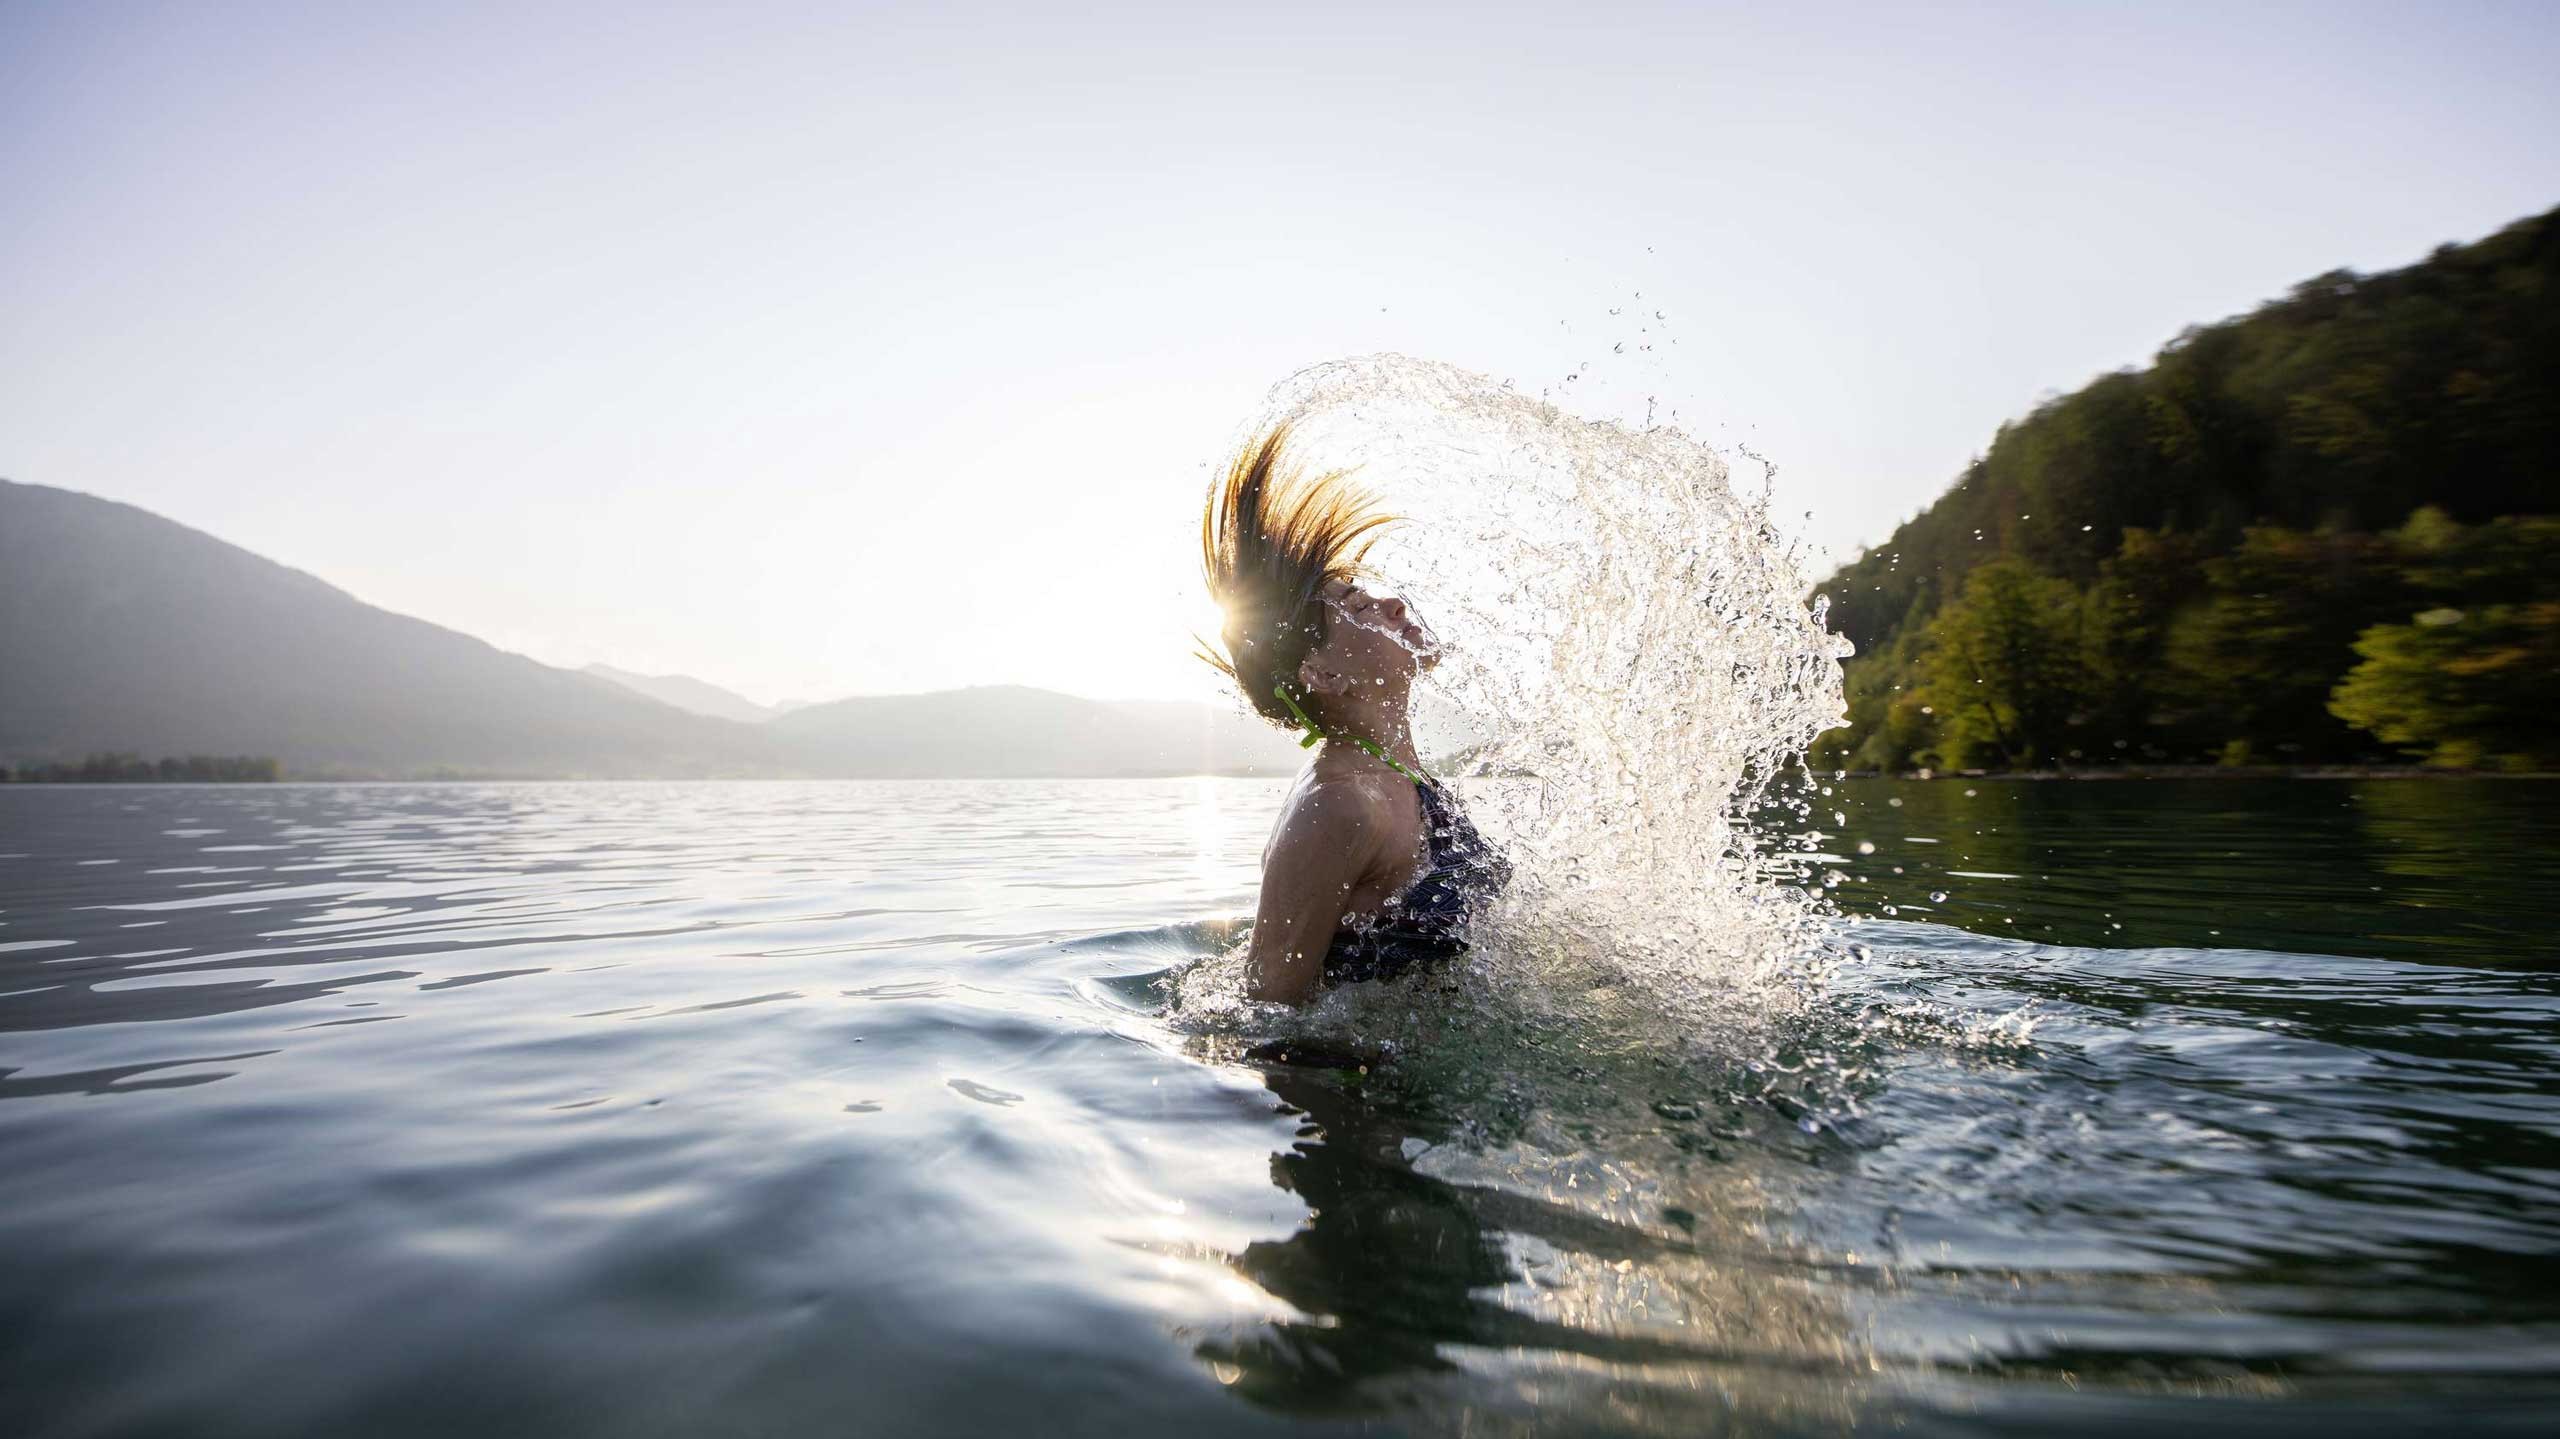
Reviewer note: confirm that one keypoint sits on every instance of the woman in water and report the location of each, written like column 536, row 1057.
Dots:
column 1372, row 869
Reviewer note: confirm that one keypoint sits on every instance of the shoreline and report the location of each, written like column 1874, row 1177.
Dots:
column 2209, row 771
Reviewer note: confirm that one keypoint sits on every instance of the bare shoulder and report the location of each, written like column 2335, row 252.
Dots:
column 1352, row 804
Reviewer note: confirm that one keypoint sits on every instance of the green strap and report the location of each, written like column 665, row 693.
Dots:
column 1316, row 732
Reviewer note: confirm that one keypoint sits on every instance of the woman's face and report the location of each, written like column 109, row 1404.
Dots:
column 1370, row 636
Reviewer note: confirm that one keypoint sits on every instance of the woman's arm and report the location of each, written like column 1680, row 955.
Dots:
column 1327, row 842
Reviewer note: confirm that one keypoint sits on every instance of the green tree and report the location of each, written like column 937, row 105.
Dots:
column 2511, row 560
column 2465, row 689
column 2002, row 674
column 2124, row 637
column 2254, row 663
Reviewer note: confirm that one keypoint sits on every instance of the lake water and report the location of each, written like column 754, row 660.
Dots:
column 853, row 1108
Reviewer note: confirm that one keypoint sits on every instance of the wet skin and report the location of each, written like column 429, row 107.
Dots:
column 1350, row 835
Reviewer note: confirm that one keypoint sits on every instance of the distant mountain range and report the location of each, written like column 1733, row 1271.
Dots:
column 121, row 630
column 1012, row 730
column 686, row 693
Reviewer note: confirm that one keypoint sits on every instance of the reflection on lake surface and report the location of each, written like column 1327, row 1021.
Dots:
column 772, row 1108
column 2458, row 871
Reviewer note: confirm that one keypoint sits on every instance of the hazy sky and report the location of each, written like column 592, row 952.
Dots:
column 819, row 349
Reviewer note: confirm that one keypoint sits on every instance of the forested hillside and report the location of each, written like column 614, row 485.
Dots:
column 2326, row 531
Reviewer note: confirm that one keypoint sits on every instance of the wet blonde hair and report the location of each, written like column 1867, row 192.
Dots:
column 1271, row 538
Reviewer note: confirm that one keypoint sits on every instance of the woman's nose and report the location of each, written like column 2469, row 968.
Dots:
column 1393, row 609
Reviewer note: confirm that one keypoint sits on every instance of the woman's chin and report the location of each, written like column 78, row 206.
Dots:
column 1419, row 648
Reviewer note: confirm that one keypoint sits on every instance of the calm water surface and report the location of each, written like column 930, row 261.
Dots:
column 849, row 1108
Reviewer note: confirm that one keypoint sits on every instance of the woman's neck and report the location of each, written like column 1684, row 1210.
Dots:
column 1352, row 728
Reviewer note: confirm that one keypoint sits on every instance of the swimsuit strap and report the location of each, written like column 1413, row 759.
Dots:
column 1435, row 806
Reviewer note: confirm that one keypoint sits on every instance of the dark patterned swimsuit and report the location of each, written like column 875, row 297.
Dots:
column 1428, row 922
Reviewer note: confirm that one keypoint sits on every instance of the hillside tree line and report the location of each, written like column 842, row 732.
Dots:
column 124, row 768
column 2324, row 532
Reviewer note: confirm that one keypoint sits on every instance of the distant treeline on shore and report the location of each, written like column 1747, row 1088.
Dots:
column 134, row 769
column 2327, row 532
